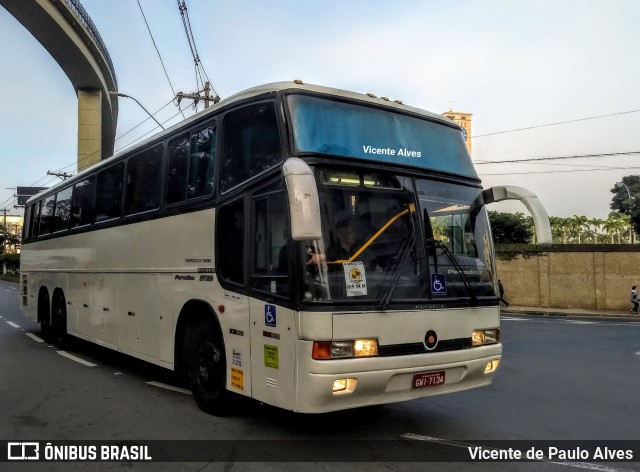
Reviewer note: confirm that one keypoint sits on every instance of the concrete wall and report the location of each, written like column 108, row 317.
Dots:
column 573, row 276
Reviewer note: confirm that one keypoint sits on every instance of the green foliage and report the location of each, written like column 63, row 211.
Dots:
column 509, row 252
column 512, row 228
column 11, row 262
column 626, row 200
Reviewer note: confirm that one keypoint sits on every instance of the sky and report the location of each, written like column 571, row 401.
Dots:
column 513, row 65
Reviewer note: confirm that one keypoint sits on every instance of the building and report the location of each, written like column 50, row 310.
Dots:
column 464, row 120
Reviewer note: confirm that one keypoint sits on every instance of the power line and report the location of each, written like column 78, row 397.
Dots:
column 159, row 56
column 560, row 171
column 581, row 156
column 554, row 124
column 201, row 75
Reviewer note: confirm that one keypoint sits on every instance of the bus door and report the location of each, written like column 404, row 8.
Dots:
column 273, row 330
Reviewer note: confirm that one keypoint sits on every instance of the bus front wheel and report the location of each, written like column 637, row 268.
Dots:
column 206, row 366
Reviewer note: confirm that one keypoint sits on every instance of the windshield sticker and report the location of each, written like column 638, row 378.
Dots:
column 438, row 284
column 355, row 279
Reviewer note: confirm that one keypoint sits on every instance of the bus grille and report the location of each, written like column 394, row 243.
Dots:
column 419, row 348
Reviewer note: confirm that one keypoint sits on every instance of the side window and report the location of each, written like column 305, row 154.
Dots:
column 63, row 210
column 36, row 219
column 26, row 227
column 251, row 143
column 144, row 175
column 83, row 202
column 46, row 215
column 230, row 224
column 270, row 268
column 202, row 162
column 177, row 171
column 109, row 193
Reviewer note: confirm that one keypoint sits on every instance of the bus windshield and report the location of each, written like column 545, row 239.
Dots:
column 379, row 241
column 332, row 127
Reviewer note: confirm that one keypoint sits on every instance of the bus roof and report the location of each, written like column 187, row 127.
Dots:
column 274, row 87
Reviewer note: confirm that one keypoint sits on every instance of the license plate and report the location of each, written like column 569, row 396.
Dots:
column 428, row 379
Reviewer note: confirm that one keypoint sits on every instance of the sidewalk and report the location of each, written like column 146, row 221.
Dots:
column 530, row 310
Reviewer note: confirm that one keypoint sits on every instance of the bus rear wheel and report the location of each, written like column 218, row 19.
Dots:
column 59, row 319
column 44, row 315
column 206, row 367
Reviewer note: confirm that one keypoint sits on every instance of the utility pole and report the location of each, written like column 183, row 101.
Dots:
column 4, row 232
column 62, row 175
column 207, row 90
column 196, row 97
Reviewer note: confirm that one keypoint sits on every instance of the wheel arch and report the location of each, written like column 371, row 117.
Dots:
column 192, row 311
column 44, row 304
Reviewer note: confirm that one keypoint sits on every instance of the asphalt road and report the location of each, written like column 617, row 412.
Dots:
column 560, row 379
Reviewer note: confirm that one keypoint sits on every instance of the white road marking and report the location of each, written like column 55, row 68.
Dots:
column 463, row 445
column 34, row 337
column 77, row 359
column 638, row 353
column 169, row 387
column 11, row 323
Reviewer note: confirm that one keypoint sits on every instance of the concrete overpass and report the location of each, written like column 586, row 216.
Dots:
column 66, row 31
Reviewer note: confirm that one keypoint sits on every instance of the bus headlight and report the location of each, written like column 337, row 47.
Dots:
column 344, row 349
column 480, row 337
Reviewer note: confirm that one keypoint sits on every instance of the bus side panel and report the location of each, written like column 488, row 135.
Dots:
column 138, row 318
column 103, row 322
column 78, row 304
column 273, row 353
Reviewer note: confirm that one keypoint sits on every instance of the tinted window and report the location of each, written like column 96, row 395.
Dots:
column 109, row 193
column 83, row 201
column 230, row 237
column 144, row 173
column 26, row 228
column 346, row 129
column 36, row 219
column 201, row 165
column 63, row 210
column 177, row 172
column 271, row 256
column 46, row 215
column 251, row 144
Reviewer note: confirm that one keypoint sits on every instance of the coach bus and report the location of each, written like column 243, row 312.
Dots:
column 311, row 248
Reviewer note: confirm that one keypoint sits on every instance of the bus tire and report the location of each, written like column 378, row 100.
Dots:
column 44, row 315
column 59, row 319
column 203, row 351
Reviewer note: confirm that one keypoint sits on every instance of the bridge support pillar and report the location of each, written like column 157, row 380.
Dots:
column 89, row 128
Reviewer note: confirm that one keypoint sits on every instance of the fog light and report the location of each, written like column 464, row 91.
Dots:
column 491, row 366
column 344, row 386
column 339, row 385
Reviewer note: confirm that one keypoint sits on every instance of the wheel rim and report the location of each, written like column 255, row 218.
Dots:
column 209, row 366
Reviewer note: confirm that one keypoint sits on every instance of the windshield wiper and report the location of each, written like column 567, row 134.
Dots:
column 406, row 250
column 465, row 280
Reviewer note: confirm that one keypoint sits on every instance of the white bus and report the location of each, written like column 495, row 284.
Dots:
column 311, row 248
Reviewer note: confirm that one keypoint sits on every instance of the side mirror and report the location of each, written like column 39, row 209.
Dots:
column 304, row 204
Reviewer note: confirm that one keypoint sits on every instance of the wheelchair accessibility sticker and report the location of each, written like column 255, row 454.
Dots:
column 270, row 315
column 438, row 284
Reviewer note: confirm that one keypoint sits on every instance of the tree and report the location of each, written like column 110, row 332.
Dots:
column 626, row 199
column 510, row 227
